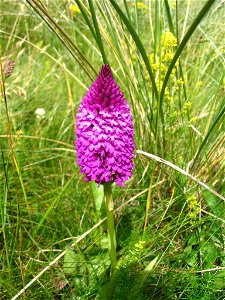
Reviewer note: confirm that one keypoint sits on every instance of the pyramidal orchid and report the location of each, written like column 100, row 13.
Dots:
column 104, row 132
column 105, row 142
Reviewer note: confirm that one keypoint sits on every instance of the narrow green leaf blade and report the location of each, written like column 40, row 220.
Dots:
column 98, row 35
column 138, row 44
column 98, row 194
column 146, row 272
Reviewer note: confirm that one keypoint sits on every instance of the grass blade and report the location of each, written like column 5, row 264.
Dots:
column 171, row 27
column 63, row 37
column 86, row 18
column 218, row 118
column 138, row 44
column 169, row 17
column 98, row 35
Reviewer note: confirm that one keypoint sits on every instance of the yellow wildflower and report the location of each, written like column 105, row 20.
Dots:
column 141, row 6
column 173, row 72
column 151, row 58
column 187, row 106
column 168, row 56
column 193, row 120
column 156, row 66
column 180, row 81
column 19, row 132
column 167, row 91
column 75, row 9
column 194, row 207
column 168, row 39
column 139, row 246
column 199, row 84
column 188, row 1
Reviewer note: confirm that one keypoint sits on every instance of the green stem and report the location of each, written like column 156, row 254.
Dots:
column 110, row 224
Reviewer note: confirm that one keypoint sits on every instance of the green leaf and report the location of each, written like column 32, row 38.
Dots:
column 210, row 253
column 72, row 262
column 146, row 272
column 99, row 264
column 220, row 280
column 98, row 194
column 104, row 242
column 192, row 255
column 215, row 205
column 193, row 240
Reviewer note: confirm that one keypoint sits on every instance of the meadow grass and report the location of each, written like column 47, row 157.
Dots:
column 168, row 58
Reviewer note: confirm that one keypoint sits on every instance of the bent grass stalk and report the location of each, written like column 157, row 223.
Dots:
column 165, row 162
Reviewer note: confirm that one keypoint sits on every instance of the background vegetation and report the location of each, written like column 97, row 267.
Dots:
column 168, row 58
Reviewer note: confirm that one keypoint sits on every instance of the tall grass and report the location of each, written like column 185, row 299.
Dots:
column 170, row 227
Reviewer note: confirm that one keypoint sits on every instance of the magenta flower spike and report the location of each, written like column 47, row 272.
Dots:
column 104, row 132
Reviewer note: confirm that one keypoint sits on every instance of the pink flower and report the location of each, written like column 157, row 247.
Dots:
column 104, row 132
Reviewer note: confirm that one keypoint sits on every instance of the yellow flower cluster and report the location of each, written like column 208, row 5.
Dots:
column 193, row 120
column 160, row 63
column 138, row 247
column 180, row 81
column 168, row 40
column 19, row 134
column 187, row 106
column 194, row 208
column 168, row 56
column 141, row 6
column 168, row 43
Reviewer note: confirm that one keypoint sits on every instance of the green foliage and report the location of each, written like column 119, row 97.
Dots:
column 98, row 194
column 169, row 62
